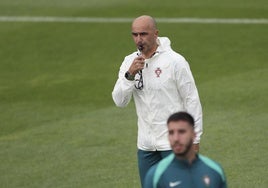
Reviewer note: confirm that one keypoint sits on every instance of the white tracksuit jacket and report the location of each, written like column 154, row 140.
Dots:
column 168, row 87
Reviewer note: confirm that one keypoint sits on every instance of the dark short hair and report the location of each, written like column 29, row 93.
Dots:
column 181, row 116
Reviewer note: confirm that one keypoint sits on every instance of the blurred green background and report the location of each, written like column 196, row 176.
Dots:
column 58, row 124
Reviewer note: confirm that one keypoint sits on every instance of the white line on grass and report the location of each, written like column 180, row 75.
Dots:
column 127, row 20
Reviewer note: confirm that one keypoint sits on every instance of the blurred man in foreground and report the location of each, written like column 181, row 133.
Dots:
column 184, row 167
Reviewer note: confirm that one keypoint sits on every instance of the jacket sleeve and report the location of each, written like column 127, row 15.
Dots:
column 123, row 88
column 189, row 94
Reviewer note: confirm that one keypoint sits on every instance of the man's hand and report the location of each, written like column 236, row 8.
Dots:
column 196, row 148
column 137, row 65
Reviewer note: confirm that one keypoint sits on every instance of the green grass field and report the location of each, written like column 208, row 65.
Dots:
column 58, row 124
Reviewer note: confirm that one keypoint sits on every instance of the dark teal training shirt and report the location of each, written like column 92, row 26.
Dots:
column 175, row 173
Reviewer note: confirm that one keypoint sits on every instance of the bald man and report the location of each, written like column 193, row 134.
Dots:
column 161, row 83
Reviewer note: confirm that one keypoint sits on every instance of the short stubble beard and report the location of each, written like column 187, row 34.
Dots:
column 186, row 151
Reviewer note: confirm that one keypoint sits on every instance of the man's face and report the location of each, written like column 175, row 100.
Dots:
column 144, row 36
column 181, row 135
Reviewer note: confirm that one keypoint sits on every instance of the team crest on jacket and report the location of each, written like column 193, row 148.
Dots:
column 158, row 71
column 206, row 180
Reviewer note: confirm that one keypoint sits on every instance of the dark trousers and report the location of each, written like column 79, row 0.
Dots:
column 147, row 159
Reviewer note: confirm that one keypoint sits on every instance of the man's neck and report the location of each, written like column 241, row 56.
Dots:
column 189, row 157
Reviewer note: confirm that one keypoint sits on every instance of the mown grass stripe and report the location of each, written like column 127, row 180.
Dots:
column 127, row 20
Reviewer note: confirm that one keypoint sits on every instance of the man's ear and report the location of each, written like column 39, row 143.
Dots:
column 194, row 134
column 156, row 33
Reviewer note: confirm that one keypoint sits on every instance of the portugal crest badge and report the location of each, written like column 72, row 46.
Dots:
column 206, row 180
column 158, row 71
